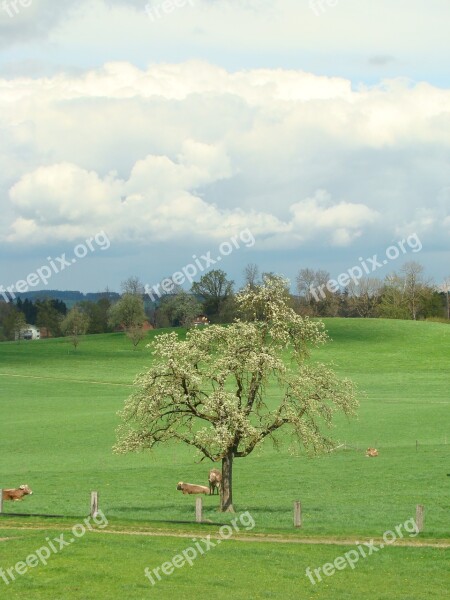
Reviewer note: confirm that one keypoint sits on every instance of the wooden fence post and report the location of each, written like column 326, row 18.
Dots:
column 198, row 510
column 420, row 510
column 1, row 501
column 297, row 514
column 94, row 504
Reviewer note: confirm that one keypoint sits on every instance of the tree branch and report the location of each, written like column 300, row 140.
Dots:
column 195, row 444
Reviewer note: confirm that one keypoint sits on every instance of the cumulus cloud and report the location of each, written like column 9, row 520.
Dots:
column 157, row 202
column 177, row 150
column 342, row 222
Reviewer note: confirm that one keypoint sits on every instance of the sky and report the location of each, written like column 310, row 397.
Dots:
column 138, row 137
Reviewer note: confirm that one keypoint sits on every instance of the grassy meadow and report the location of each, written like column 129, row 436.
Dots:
column 110, row 566
column 58, row 425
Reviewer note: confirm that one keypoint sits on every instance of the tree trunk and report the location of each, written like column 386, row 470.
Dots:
column 226, row 498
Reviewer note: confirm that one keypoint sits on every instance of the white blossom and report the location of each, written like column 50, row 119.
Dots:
column 213, row 389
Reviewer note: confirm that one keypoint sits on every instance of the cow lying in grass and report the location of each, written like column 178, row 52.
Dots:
column 18, row 494
column 215, row 481
column 190, row 488
column 371, row 452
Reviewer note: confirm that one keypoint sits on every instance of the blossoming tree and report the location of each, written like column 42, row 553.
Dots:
column 224, row 390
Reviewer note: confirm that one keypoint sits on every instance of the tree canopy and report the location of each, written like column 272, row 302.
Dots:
column 224, row 390
column 214, row 290
column 179, row 309
column 129, row 313
column 75, row 324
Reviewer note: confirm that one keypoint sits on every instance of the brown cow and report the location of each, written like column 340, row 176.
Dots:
column 190, row 488
column 16, row 495
column 371, row 452
column 215, row 481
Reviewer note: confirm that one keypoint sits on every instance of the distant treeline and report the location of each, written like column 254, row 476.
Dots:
column 69, row 297
column 403, row 295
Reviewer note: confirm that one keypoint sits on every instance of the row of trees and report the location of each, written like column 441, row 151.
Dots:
column 85, row 317
column 406, row 294
column 47, row 314
column 403, row 295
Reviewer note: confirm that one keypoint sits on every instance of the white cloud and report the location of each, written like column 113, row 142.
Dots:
column 157, row 203
column 342, row 222
column 190, row 149
column 64, row 193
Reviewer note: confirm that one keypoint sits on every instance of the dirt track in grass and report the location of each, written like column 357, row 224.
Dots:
column 261, row 538
column 65, row 379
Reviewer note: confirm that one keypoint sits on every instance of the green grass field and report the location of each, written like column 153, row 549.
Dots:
column 109, row 566
column 58, row 425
